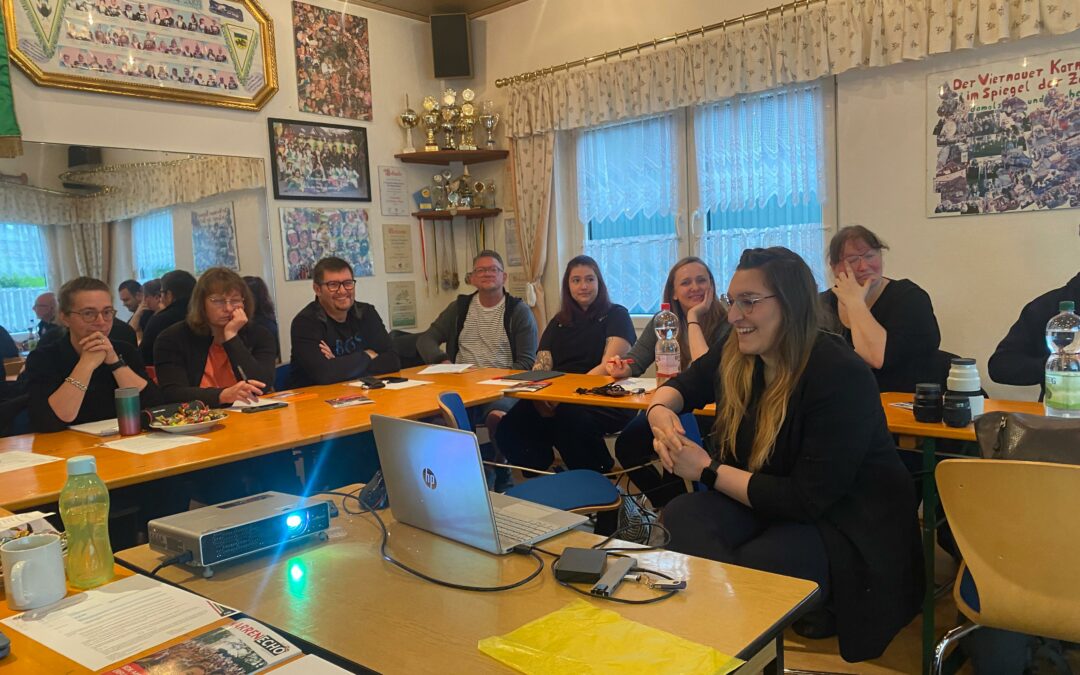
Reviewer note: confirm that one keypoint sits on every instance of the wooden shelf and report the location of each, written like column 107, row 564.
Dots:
column 467, row 213
column 444, row 157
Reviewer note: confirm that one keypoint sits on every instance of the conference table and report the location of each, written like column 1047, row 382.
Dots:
column 341, row 595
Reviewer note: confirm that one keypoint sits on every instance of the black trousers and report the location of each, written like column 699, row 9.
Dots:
column 577, row 431
column 712, row 525
column 634, row 447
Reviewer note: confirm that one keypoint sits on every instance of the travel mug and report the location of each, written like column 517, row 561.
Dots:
column 127, row 411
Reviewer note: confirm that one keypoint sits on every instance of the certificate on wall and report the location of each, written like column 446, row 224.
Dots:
column 393, row 191
column 402, row 297
column 513, row 246
column 397, row 248
column 516, row 283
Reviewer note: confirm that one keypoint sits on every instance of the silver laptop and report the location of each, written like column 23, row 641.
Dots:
column 435, row 480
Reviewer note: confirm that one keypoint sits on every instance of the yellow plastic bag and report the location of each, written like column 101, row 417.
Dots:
column 580, row 638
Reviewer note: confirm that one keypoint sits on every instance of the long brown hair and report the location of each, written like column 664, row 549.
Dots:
column 214, row 280
column 570, row 311
column 790, row 279
column 711, row 323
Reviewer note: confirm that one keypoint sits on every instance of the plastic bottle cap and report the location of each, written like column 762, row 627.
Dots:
column 665, row 307
column 1066, row 306
column 83, row 464
column 963, row 362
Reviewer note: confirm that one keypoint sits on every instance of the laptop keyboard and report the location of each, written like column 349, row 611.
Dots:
column 519, row 529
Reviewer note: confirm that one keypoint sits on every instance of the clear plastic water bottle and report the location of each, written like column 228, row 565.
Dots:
column 667, row 346
column 1063, row 367
column 84, row 508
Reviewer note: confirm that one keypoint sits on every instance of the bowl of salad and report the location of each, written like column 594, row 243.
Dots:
column 188, row 418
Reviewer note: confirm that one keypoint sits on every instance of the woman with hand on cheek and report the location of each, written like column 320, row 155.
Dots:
column 72, row 379
column 803, row 478
column 890, row 323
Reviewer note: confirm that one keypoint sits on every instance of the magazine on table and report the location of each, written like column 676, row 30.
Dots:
column 526, row 387
column 348, row 401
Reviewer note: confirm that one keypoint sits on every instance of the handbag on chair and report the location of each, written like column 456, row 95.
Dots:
column 1023, row 436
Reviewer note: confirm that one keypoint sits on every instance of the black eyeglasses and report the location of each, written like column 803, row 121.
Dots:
column 334, row 286
column 613, row 390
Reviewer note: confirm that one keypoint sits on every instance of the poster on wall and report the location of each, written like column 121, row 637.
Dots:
column 1005, row 136
column 402, row 299
column 333, row 65
column 221, row 53
column 513, row 246
column 309, row 235
column 319, row 161
column 213, row 238
column 397, row 248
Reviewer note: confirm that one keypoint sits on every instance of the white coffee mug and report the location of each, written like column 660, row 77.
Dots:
column 33, row 571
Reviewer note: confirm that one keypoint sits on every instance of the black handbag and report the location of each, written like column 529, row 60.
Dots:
column 1033, row 438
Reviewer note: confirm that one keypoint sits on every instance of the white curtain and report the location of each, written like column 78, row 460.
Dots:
column 635, row 268
column 721, row 248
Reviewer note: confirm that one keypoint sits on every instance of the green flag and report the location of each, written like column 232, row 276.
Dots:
column 10, row 137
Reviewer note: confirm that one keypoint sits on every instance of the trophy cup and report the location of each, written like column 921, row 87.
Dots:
column 468, row 121
column 450, row 113
column 465, row 192
column 430, row 118
column 408, row 120
column 489, row 119
column 438, row 193
column 491, row 194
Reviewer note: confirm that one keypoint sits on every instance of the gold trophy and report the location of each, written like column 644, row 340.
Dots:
column 468, row 121
column 450, row 113
column 489, row 119
column 408, row 120
column 430, row 118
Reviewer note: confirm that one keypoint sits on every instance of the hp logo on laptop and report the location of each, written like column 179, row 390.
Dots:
column 429, row 478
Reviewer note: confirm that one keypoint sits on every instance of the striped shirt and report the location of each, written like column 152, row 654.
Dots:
column 483, row 340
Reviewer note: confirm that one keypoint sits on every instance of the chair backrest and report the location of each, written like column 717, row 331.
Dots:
column 281, row 377
column 454, row 412
column 1017, row 527
column 404, row 345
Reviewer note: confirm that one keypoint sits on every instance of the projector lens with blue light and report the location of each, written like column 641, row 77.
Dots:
column 293, row 521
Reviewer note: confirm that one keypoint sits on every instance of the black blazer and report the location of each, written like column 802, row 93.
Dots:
column 180, row 359
column 834, row 465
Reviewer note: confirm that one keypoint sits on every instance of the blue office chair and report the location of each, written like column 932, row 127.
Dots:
column 281, row 377
column 578, row 490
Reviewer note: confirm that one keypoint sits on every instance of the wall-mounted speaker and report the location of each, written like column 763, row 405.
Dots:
column 450, row 48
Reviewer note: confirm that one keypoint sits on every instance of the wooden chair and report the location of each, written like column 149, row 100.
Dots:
column 580, row 490
column 1017, row 528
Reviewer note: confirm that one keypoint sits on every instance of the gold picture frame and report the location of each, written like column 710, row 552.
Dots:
column 206, row 52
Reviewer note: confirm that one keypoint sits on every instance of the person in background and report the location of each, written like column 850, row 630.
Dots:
column 1020, row 358
column 490, row 329
column 152, row 301
column 889, row 322
column 72, row 380
column 8, row 348
column 588, row 331
column 335, row 338
column 216, row 355
column 176, row 288
column 803, row 478
column 45, row 308
column 691, row 291
column 263, row 313
column 131, row 295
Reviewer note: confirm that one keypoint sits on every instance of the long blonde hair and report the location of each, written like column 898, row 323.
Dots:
column 712, row 323
column 789, row 278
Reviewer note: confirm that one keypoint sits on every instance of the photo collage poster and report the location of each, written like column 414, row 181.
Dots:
column 213, row 238
column 333, row 65
column 311, row 234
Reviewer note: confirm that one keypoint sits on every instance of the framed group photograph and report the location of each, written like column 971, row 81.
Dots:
column 220, row 53
column 319, row 161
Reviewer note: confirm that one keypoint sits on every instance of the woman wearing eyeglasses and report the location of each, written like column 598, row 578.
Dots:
column 889, row 322
column 803, row 478
column 215, row 355
column 72, row 380
column 691, row 291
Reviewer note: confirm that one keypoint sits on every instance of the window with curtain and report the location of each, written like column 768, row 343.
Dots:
column 152, row 245
column 22, row 274
column 760, row 173
column 627, row 200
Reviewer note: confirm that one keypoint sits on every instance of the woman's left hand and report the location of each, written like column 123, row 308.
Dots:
column 688, row 460
column 848, row 291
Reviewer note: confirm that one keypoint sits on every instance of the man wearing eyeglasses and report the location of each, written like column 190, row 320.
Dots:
column 335, row 338
column 45, row 309
column 489, row 328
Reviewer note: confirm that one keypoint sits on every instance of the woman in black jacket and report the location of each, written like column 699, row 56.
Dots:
column 804, row 479
column 216, row 355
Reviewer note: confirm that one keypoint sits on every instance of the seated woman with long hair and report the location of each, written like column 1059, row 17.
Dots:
column 803, row 478
column 587, row 331
column 690, row 290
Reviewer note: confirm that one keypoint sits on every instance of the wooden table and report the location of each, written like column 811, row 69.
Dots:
column 341, row 596
column 902, row 421
column 240, row 436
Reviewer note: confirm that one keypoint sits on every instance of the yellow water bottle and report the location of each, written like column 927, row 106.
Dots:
column 84, row 508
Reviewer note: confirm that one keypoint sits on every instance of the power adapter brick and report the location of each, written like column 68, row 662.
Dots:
column 580, row 566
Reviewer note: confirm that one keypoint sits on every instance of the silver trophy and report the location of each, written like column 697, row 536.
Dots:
column 489, row 119
column 408, row 120
column 438, row 193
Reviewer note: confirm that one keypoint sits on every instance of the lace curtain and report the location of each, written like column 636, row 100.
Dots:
column 721, row 248
column 635, row 268
column 797, row 46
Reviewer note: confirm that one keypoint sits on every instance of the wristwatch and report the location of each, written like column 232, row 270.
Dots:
column 120, row 363
column 708, row 474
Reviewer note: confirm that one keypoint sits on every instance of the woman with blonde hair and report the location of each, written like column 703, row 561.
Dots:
column 803, row 478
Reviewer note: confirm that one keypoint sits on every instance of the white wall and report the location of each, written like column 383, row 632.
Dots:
column 979, row 270
column 400, row 63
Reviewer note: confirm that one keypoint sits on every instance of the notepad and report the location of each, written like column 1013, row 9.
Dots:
column 261, row 403
column 153, row 442
column 444, row 368
column 101, row 428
